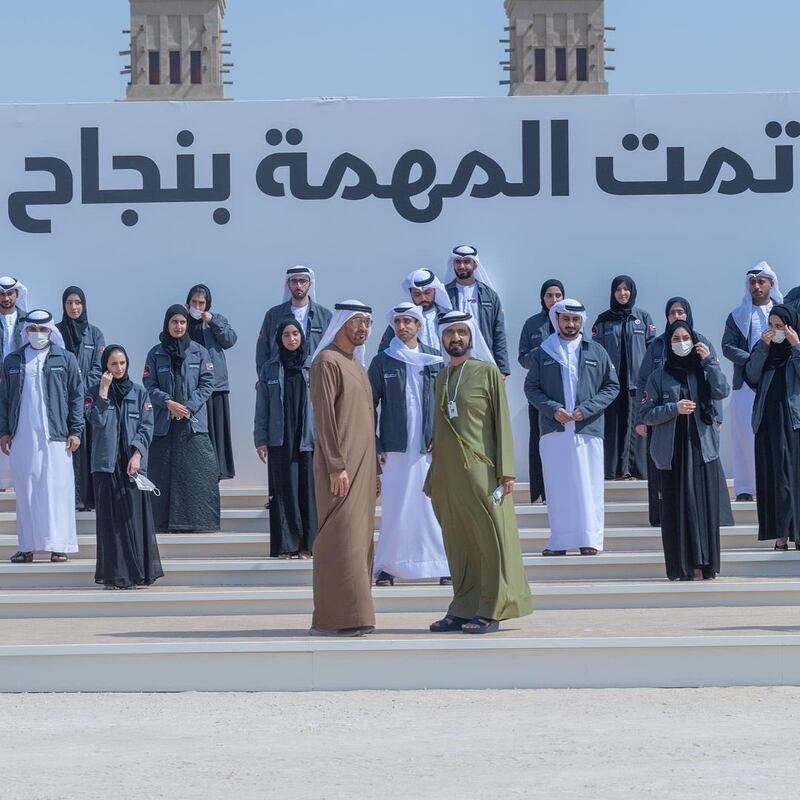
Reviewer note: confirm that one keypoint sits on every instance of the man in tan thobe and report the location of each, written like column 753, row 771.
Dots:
column 345, row 472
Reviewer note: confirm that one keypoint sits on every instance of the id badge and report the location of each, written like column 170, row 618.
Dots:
column 452, row 409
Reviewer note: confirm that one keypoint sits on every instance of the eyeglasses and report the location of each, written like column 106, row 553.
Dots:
column 299, row 281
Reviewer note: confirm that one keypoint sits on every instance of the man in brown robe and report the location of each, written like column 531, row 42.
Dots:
column 345, row 471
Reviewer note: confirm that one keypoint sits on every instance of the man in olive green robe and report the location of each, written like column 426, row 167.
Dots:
column 472, row 458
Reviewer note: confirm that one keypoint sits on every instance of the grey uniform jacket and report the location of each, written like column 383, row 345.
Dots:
column 387, row 376
column 654, row 358
column 63, row 393
column 640, row 333
column 598, row 387
column 268, row 424
column 89, row 354
column 659, row 409
column 317, row 321
column 735, row 348
column 104, row 418
column 535, row 330
column 218, row 336
column 761, row 379
column 17, row 333
column 491, row 321
column 197, row 376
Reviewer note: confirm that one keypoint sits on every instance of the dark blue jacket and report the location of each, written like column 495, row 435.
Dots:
column 17, row 333
column 535, row 330
column 89, row 354
column 640, row 332
column 63, row 393
column 761, row 378
column 218, row 337
column 268, row 424
column 659, row 410
column 136, row 414
column 317, row 321
column 197, row 376
column 735, row 348
column 491, row 321
column 387, row 377
column 598, row 387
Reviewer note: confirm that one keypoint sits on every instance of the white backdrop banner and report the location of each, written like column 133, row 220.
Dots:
column 136, row 202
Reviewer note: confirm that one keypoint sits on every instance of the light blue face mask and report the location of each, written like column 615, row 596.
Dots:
column 779, row 337
column 682, row 348
column 39, row 339
column 145, row 484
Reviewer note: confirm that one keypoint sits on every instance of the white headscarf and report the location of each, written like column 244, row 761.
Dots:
column 479, row 350
column 742, row 315
column 295, row 272
column 343, row 312
column 552, row 344
column 467, row 251
column 44, row 319
column 398, row 349
column 7, row 284
column 424, row 279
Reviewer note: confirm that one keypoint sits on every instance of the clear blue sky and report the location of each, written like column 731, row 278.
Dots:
column 412, row 48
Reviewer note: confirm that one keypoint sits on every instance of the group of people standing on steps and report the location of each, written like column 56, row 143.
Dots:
column 77, row 433
column 663, row 422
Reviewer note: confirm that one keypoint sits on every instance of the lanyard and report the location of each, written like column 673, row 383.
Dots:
column 447, row 384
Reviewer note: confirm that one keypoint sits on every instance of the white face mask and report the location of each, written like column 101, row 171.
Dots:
column 682, row 348
column 780, row 336
column 39, row 339
column 195, row 313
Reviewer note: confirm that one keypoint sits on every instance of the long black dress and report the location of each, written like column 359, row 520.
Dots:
column 690, row 505
column 293, row 508
column 777, row 454
column 183, row 465
column 219, row 432
column 127, row 550
column 534, row 457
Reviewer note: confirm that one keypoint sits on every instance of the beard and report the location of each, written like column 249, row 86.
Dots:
column 457, row 349
column 464, row 272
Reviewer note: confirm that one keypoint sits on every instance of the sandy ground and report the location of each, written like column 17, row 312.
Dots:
column 559, row 745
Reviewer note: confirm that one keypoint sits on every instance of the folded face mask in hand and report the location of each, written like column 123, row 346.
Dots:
column 145, row 484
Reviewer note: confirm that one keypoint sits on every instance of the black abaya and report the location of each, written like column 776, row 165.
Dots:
column 219, row 431
column 777, row 455
column 534, row 457
column 690, row 505
column 127, row 551
column 293, row 508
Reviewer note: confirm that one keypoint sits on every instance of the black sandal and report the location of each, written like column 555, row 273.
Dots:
column 58, row 558
column 22, row 557
column 448, row 624
column 384, row 579
column 588, row 551
column 784, row 546
column 483, row 625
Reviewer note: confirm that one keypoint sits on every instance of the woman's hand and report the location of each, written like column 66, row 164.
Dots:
column 767, row 336
column 177, row 410
column 105, row 384
column 135, row 463
column 686, row 406
column 262, row 453
column 791, row 336
column 702, row 350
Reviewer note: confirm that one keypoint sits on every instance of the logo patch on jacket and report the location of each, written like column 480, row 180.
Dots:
column 88, row 402
column 209, row 366
column 147, row 406
column 591, row 362
column 146, row 373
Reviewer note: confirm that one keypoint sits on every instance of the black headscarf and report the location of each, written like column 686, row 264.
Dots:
column 617, row 310
column 196, row 325
column 684, row 303
column 779, row 353
column 680, row 367
column 291, row 360
column 545, row 286
column 72, row 329
column 176, row 348
column 119, row 386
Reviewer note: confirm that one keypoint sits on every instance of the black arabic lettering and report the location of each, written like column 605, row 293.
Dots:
column 413, row 177
column 713, row 173
column 60, row 194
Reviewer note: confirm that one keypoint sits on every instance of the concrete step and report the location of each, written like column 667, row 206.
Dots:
column 256, row 520
column 429, row 598
column 551, row 649
column 266, row 572
column 256, row 545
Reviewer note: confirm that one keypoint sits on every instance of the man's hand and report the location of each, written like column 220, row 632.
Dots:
column 340, row 483
column 641, row 430
column 73, row 443
column 5, row 444
column 686, row 407
column 507, row 484
column 577, row 415
column 262, row 453
column 135, row 463
column 177, row 410
column 562, row 416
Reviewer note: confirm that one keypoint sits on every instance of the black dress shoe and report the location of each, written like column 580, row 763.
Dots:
column 384, row 579
column 446, row 581
column 744, row 498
